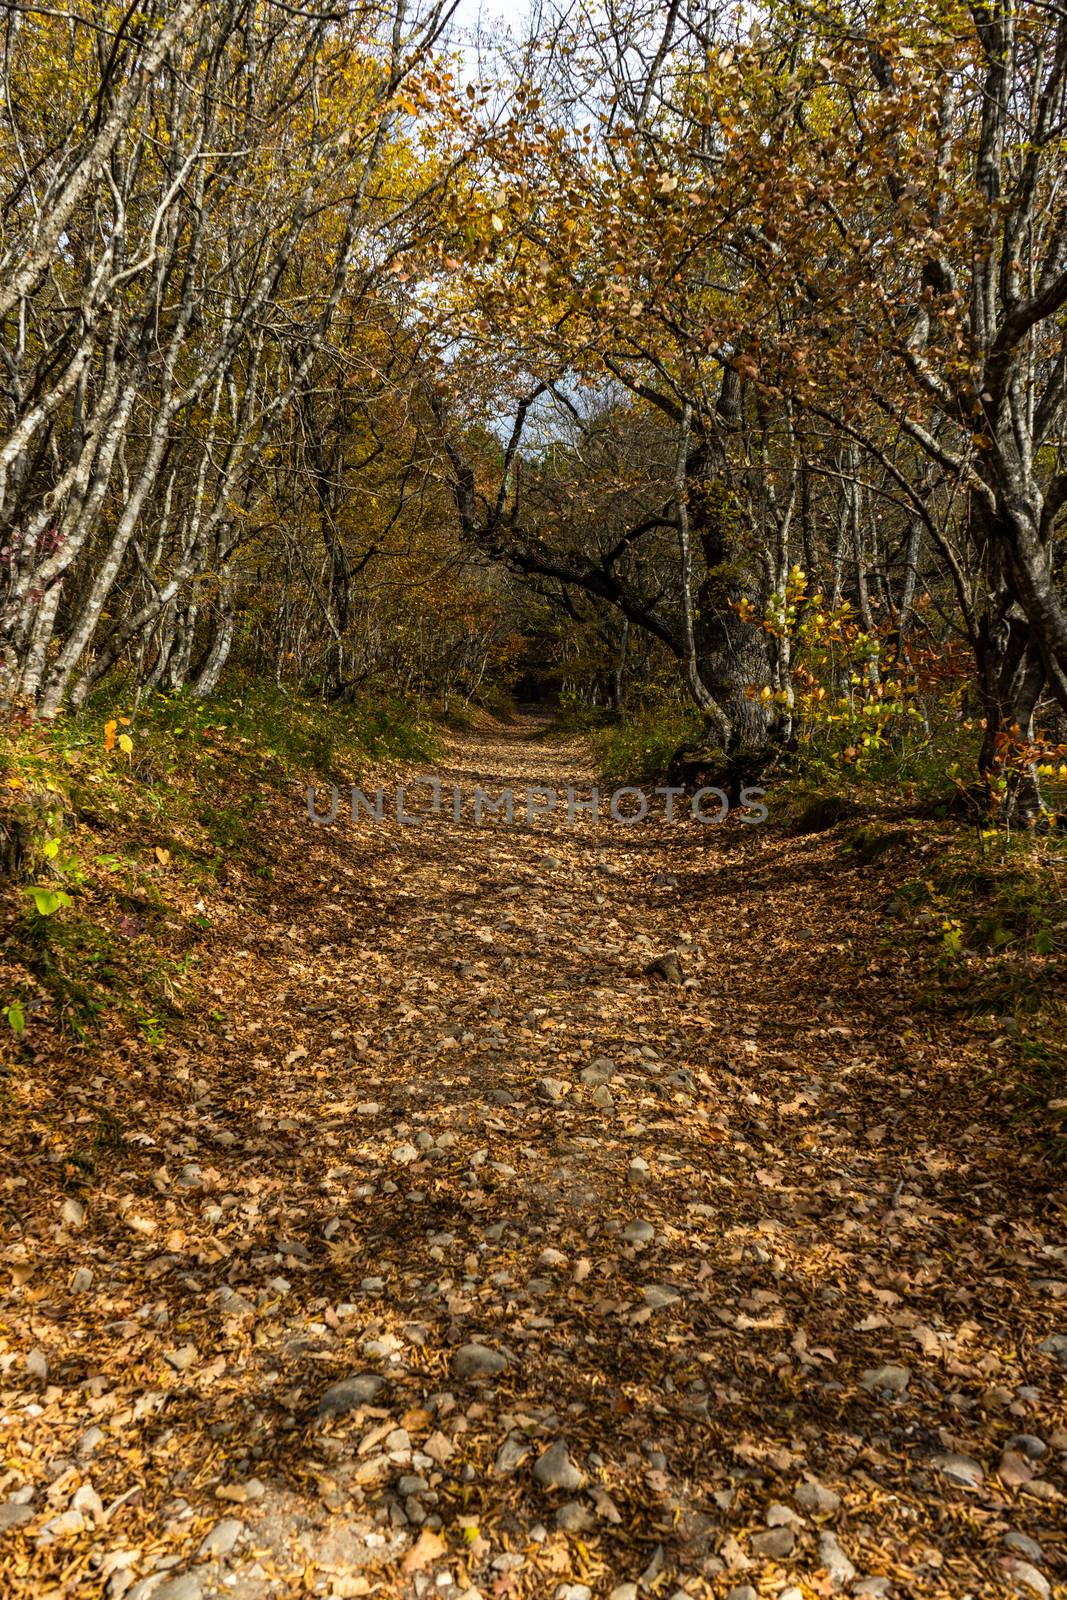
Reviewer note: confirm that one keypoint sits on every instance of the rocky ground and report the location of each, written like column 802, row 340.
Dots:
column 453, row 1254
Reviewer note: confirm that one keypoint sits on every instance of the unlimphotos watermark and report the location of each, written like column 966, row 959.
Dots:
column 627, row 805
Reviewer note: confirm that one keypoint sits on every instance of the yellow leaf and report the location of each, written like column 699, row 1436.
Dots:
column 125, row 744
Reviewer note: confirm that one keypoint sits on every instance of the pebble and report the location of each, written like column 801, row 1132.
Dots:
column 90, row 1440
column 476, row 1361
column 835, row 1560
column 357, row 1390
column 959, row 1469
column 598, row 1072
column 891, row 1378
column 82, row 1280
column 775, row 1544
column 1028, row 1444
column 815, row 1497
column 12, row 1514
column 574, row 1517
column 404, row 1154
column 574, row 1591
column 1021, row 1572
column 512, row 1454
column 872, row 1588
column 660, row 1295
column 637, row 1171
column 744, row 1591
column 551, row 1089
column 603, row 1098
column 639, row 1231
column 554, row 1468
column 73, row 1213
column 1023, row 1545
column 222, row 1538
column 87, row 1499
column 186, row 1586
column 1055, row 1345
column 67, row 1522
column 190, row 1177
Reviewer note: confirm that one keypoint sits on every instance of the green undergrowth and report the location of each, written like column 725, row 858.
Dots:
column 638, row 748
column 115, row 825
column 984, row 915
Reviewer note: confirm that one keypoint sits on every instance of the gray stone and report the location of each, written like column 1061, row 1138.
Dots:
column 597, row 1072
column 815, row 1498
column 624, row 1591
column 190, row 1177
column 551, row 1089
column 1028, row 1444
column 476, row 1361
column 775, row 1544
column 639, row 1231
column 512, row 1454
column 959, row 1469
column 1023, row 1574
column 222, row 1538
column 1055, row 1345
column 603, row 1098
column 12, row 1514
column 890, row 1378
column 637, row 1171
column 574, row 1517
column 835, row 1560
column 185, row 1586
column 660, row 1295
column 554, row 1468
column 743, row 1591
column 357, row 1390
column 872, row 1588
column 1023, row 1545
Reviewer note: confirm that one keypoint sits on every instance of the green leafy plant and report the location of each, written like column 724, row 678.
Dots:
column 15, row 1013
column 46, row 900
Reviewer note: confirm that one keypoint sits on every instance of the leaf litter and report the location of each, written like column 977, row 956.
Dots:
column 452, row 1253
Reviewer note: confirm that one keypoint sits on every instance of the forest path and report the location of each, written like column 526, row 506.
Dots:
column 767, row 1267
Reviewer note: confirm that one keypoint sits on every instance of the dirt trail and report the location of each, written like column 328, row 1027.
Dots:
column 759, row 1249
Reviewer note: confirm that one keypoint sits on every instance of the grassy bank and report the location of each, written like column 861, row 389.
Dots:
column 113, row 825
